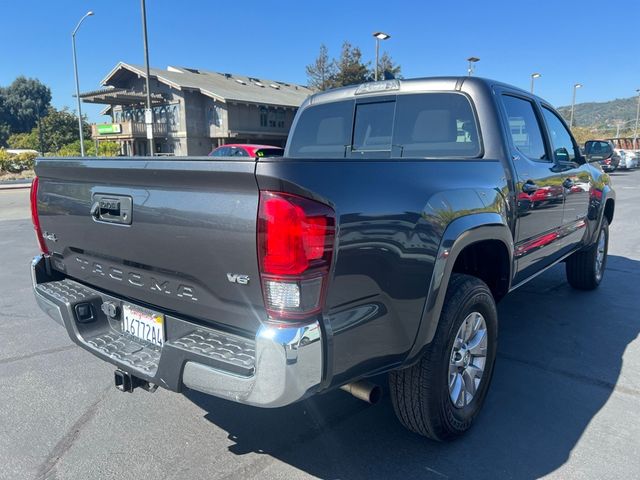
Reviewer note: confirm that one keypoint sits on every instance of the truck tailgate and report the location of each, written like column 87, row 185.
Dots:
column 166, row 233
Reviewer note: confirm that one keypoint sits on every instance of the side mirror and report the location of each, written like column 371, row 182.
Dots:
column 597, row 150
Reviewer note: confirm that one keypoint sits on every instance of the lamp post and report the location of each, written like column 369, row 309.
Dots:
column 148, row 114
column 472, row 61
column 635, row 130
column 379, row 36
column 533, row 77
column 75, row 71
column 576, row 86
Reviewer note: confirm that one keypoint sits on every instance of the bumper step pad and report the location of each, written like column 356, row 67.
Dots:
column 233, row 351
column 119, row 347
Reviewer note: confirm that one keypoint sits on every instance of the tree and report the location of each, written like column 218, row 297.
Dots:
column 5, row 129
column 25, row 100
column 60, row 127
column 24, row 140
column 322, row 71
column 387, row 68
column 350, row 69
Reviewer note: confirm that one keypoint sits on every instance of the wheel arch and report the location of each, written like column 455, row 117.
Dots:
column 462, row 238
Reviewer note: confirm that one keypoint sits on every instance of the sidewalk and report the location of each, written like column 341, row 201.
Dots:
column 12, row 184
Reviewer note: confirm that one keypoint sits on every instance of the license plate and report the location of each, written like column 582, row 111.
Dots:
column 143, row 324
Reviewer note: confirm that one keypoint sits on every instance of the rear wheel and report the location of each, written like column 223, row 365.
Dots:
column 585, row 269
column 440, row 396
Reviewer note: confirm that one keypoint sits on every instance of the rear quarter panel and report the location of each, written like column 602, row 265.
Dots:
column 391, row 216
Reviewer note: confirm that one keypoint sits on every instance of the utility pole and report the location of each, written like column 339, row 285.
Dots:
column 148, row 114
column 635, row 131
column 533, row 77
column 379, row 36
column 472, row 61
column 75, row 71
column 573, row 102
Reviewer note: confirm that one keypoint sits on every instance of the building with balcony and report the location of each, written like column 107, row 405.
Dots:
column 194, row 110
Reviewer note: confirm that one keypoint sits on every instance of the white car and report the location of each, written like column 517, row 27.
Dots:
column 628, row 159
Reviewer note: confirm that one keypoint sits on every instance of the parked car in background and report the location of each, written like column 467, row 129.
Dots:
column 628, row 159
column 247, row 150
column 611, row 160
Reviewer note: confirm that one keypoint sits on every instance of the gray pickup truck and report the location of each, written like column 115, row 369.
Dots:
column 401, row 212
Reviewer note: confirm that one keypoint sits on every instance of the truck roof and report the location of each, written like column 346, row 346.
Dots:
column 385, row 87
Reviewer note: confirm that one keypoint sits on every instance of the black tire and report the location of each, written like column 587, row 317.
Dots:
column 584, row 272
column 420, row 394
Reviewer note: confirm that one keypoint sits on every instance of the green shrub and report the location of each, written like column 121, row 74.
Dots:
column 16, row 163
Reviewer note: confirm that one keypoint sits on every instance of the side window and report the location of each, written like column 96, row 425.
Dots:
column 322, row 131
column 236, row 152
column 524, row 127
column 436, row 125
column 563, row 146
column 373, row 125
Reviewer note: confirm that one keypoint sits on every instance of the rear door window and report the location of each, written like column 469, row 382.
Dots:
column 524, row 127
column 238, row 152
column 435, row 125
column 219, row 152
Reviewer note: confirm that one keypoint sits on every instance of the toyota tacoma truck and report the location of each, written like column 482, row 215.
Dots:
column 400, row 214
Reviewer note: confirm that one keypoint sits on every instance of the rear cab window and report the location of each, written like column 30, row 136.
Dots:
column 417, row 125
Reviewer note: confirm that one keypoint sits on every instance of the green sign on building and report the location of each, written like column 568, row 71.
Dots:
column 108, row 128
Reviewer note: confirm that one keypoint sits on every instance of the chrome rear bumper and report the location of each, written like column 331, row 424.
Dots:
column 278, row 367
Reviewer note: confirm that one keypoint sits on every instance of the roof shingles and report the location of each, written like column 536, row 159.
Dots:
column 225, row 87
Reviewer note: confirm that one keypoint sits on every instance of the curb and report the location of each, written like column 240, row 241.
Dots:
column 15, row 185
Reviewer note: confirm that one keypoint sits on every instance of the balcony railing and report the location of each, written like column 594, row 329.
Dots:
column 123, row 130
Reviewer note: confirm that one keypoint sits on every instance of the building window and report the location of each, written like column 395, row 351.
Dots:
column 272, row 118
column 280, row 118
column 214, row 115
column 263, row 116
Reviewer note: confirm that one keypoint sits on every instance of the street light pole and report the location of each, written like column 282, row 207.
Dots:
column 533, row 77
column 75, row 71
column 635, row 131
column 573, row 102
column 379, row 36
column 148, row 114
column 472, row 61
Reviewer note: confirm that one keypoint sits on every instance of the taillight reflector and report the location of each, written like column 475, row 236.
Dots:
column 35, row 219
column 295, row 246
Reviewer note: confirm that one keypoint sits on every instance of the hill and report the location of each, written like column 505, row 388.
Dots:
column 603, row 115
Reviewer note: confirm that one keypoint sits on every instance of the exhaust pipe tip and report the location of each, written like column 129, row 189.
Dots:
column 364, row 390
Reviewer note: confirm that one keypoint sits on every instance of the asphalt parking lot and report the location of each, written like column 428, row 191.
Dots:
column 564, row 403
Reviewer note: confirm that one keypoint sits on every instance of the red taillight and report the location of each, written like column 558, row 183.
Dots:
column 295, row 246
column 34, row 216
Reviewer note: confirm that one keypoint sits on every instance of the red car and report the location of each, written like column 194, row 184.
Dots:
column 247, row 150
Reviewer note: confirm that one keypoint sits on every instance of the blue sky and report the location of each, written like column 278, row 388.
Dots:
column 593, row 43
